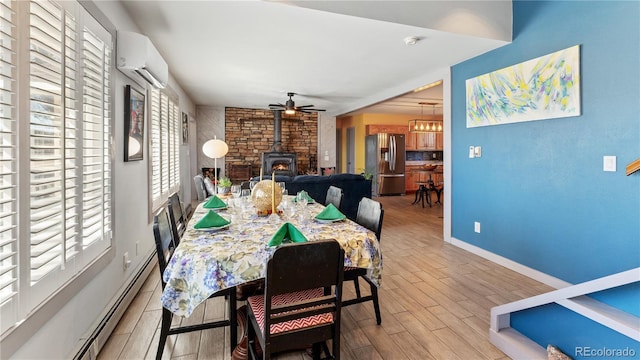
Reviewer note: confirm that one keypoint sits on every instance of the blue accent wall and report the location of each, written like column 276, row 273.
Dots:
column 539, row 189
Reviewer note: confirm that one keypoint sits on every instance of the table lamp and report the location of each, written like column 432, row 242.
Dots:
column 215, row 149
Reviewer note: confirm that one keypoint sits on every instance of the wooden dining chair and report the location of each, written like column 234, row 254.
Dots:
column 294, row 311
column 334, row 196
column 165, row 246
column 370, row 215
column 177, row 217
column 201, row 193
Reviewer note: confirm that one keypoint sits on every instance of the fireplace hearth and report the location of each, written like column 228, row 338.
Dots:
column 280, row 163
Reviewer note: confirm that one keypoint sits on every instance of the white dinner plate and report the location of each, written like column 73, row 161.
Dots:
column 213, row 228
column 217, row 209
column 329, row 221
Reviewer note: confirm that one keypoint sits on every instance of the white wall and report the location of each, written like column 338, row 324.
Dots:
column 326, row 141
column 65, row 329
column 210, row 124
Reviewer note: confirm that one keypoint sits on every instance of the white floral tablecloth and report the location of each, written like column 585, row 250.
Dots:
column 208, row 261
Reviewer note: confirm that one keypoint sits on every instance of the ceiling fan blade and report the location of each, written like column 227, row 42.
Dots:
column 309, row 111
column 276, row 105
column 304, row 106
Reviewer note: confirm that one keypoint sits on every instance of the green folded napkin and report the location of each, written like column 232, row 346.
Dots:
column 211, row 220
column 286, row 233
column 309, row 198
column 330, row 212
column 214, row 202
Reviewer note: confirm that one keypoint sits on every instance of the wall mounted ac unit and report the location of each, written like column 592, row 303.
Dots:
column 136, row 53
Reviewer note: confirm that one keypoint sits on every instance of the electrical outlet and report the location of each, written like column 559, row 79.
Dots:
column 476, row 227
column 609, row 163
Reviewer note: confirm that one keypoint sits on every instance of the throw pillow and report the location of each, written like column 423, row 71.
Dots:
column 208, row 185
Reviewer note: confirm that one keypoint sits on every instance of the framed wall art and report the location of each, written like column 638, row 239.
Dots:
column 133, row 124
column 185, row 128
column 546, row 87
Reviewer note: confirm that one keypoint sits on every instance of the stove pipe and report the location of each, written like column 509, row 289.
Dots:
column 277, row 131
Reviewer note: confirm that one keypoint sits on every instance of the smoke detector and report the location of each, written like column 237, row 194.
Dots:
column 411, row 40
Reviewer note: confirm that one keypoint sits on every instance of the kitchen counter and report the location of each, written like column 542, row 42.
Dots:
column 422, row 162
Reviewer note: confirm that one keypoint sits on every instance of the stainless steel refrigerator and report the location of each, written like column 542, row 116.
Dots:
column 384, row 158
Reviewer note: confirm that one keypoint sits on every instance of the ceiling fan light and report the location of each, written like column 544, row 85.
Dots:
column 290, row 111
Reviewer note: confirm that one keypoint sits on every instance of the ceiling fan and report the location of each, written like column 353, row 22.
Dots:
column 290, row 107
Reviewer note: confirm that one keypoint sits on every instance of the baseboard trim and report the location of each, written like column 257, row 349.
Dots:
column 512, row 265
column 93, row 343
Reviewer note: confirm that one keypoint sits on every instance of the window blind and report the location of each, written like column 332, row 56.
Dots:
column 65, row 219
column 165, row 146
column 8, row 161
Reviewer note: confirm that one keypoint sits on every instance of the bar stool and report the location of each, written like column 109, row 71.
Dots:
column 424, row 191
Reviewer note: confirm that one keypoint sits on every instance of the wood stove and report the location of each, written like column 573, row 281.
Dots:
column 280, row 163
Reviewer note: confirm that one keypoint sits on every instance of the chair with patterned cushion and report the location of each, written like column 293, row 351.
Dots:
column 177, row 217
column 334, row 196
column 295, row 311
column 370, row 215
column 165, row 246
column 201, row 193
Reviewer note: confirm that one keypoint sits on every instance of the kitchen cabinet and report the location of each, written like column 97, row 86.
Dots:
column 411, row 143
column 439, row 141
column 412, row 176
column 389, row 129
column 426, row 141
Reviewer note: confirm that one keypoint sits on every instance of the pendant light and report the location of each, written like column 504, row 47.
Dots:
column 425, row 126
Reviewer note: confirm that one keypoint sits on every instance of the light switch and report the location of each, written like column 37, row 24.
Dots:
column 472, row 152
column 609, row 163
column 477, row 151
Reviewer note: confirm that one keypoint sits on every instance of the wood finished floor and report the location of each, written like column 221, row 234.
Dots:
column 435, row 300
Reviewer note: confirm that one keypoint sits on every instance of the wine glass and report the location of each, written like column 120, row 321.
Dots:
column 236, row 191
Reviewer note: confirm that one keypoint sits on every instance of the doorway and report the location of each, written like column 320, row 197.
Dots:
column 351, row 146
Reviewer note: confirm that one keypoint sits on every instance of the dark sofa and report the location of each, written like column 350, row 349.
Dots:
column 354, row 188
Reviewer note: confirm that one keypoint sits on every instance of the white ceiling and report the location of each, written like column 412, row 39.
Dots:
column 337, row 55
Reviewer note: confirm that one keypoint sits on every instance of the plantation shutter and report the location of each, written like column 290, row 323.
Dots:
column 55, row 150
column 69, row 145
column 165, row 146
column 46, row 138
column 8, row 167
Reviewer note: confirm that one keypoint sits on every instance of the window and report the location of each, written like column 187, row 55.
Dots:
column 165, row 146
column 59, row 161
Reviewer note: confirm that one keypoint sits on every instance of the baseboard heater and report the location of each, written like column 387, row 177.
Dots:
column 92, row 345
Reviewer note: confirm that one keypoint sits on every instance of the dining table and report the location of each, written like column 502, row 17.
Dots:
column 212, row 259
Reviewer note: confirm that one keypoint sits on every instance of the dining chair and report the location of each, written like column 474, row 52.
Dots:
column 165, row 246
column 295, row 311
column 334, row 196
column 370, row 215
column 177, row 217
column 201, row 193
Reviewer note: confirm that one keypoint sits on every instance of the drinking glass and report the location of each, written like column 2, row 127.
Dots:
column 282, row 186
column 235, row 190
column 252, row 184
column 245, row 192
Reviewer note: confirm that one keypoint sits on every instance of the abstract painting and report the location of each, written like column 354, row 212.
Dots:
column 546, row 87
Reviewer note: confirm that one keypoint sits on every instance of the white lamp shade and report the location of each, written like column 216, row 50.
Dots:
column 215, row 148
